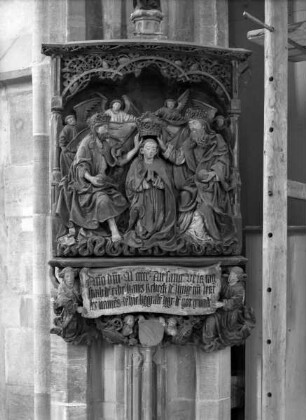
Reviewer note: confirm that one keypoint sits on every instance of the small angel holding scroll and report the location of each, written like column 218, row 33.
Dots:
column 68, row 301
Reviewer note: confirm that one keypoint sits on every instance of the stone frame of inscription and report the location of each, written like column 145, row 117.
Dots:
column 152, row 305
column 187, row 90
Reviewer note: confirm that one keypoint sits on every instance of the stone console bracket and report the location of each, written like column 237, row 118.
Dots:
column 152, row 303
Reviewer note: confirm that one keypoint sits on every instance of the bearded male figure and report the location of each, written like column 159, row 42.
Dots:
column 90, row 198
column 204, row 205
column 68, row 133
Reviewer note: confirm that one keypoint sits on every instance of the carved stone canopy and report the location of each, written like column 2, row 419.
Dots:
column 79, row 63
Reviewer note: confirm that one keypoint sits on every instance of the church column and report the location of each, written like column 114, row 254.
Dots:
column 40, row 77
column 213, row 370
column 69, row 364
column 114, row 20
column 211, row 22
column 76, row 20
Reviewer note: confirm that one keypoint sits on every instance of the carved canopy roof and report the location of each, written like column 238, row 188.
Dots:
column 184, row 62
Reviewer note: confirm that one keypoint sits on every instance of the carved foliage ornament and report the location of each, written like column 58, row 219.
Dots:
column 78, row 71
column 185, row 63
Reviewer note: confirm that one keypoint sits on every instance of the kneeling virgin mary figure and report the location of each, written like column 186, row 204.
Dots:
column 152, row 202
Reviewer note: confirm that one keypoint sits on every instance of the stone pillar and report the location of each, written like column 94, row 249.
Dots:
column 76, row 20
column 180, row 20
column 68, row 380
column 201, row 21
column 113, row 22
column 213, row 385
column 164, row 383
column 41, row 83
column 234, row 114
column 211, row 22
column 68, row 363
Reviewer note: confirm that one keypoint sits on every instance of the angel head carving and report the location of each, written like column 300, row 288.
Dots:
column 236, row 274
column 116, row 105
column 68, row 274
column 170, row 103
column 172, row 109
column 122, row 111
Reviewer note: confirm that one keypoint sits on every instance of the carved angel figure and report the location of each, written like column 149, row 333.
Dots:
column 117, row 114
column 68, row 300
column 233, row 323
column 233, row 290
column 70, row 323
column 237, row 319
column 171, row 112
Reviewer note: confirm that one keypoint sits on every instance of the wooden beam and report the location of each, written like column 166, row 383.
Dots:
column 296, row 34
column 274, row 259
column 296, row 190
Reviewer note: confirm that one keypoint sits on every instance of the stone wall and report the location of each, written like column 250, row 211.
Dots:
column 16, row 250
column 16, row 225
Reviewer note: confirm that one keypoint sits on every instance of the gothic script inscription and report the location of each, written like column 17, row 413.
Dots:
column 168, row 290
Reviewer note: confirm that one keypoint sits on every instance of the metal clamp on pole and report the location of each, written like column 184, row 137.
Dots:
column 258, row 21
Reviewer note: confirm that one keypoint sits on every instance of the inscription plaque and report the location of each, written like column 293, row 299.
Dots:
column 168, row 290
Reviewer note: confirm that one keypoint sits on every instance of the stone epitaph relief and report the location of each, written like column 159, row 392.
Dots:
column 145, row 165
column 205, row 307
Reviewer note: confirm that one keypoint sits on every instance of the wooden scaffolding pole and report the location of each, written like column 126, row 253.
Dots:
column 275, row 213
column 41, row 297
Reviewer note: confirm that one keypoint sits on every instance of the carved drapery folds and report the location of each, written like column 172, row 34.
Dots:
column 202, row 85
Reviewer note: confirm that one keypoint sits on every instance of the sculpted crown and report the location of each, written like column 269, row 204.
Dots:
column 98, row 119
column 148, row 125
column 206, row 112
